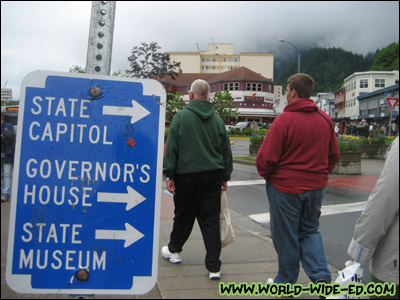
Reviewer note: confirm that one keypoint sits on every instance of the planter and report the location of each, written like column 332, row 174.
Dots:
column 382, row 151
column 349, row 163
column 253, row 150
column 373, row 151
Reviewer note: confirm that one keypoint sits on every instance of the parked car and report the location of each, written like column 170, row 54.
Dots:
column 229, row 128
column 245, row 125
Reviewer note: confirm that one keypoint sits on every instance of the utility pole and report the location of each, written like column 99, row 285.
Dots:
column 100, row 37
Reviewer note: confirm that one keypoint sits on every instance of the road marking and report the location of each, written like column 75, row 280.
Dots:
column 246, row 182
column 325, row 211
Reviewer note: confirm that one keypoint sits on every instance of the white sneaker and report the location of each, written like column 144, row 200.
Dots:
column 172, row 257
column 270, row 280
column 215, row 276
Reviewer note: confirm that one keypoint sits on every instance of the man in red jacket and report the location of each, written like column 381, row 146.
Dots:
column 296, row 157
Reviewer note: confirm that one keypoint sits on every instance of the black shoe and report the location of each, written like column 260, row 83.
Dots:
column 321, row 281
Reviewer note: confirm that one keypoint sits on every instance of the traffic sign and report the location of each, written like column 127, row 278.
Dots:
column 392, row 102
column 86, row 195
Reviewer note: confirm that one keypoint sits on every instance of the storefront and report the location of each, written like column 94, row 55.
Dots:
column 374, row 106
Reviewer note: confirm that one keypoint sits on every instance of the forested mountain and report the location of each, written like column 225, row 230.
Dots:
column 330, row 66
column 327, row 66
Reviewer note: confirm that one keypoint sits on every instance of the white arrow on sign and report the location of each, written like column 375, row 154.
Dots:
column 137, row 111
column 132, row 198
column 130, row 235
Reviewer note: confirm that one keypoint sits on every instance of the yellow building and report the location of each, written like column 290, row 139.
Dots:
column 220, row 58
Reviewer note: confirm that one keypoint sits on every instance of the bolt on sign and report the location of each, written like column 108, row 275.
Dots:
column 86, row 196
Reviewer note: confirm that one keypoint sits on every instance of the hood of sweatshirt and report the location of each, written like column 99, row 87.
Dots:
column 201, row 108
column 301, row 104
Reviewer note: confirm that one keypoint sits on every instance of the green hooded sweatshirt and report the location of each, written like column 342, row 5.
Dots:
column 198, row 142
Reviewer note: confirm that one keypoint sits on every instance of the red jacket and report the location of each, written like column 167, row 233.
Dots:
column 300, row 149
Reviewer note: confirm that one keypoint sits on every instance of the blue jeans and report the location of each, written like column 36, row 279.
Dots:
column 294, row 227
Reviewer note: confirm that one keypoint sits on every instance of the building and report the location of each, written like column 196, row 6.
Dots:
column 253, row 93
column 6, row 95
column 374, row 105
column 279, row 97
column 220, row 58
column 339, row 102
column 325, row 102
column 363, row 82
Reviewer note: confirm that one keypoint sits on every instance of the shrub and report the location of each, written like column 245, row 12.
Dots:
column 380, row 139
column 246, row 131
column 256, row 139
column 348, row 145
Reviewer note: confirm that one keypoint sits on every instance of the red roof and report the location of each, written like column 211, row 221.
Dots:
column 237, row 74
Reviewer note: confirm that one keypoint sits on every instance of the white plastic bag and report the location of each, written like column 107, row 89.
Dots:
column 353, row 273
column 227, row 234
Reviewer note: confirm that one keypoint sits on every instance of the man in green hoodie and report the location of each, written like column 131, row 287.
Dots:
column 198, row 164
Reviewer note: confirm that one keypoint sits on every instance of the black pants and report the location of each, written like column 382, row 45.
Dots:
column 198, row 196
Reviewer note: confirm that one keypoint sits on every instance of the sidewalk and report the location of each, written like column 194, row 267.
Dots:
column 250, row 259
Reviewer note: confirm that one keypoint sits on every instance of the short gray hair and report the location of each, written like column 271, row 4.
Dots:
column 200, row 88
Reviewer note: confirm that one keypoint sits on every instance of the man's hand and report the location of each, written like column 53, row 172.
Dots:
column 224, row 185
column 171, row 186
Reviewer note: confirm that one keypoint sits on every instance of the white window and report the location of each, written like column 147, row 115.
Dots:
column 379, row 83
column 363, row 83
column 215, row 59
column 205, row 60
column 231, row 86
column 251, row 86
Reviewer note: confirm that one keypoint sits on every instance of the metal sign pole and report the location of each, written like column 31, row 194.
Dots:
column 99, row 51
column 100, row 38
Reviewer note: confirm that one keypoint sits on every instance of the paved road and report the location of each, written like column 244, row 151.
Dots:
column 341, row 206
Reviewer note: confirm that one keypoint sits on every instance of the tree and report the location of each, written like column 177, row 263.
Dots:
column 174, row 105
column 223, row 105
column 387, row 59
column 327, row 66
column 147, row 62
column 118, row 73
column 77, row 69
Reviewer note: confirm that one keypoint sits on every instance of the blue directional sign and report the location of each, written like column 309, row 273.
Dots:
column 86, row 194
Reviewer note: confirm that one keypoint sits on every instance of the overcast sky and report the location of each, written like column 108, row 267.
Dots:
column 54, row 35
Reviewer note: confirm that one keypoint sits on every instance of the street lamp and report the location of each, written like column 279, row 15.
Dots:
column 298, row 54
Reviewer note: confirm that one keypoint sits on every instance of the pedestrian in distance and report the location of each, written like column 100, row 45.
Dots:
column 337, row 130
column 296, row 157
column 7, row 158
column 198, row 163
column 363, row 129
column 376, row 233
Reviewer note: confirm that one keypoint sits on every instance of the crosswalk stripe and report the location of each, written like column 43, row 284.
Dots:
column 325, row 211
column 246, row 182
